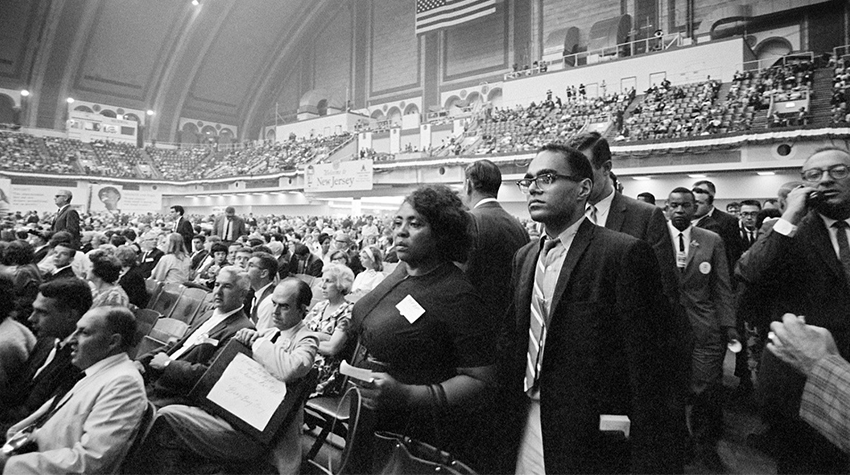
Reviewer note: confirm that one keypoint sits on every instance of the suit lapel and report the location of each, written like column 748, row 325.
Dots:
column 580, row 242
column 693, row 247
column 822, row 245
column 617, row 214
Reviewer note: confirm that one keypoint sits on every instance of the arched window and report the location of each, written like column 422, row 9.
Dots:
column 190, row 134
column 322, row 107
column 225, row 136
column 84, row 109
column 108, row 113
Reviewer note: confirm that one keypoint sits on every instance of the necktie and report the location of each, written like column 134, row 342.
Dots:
column 539, row 315
column 227, row 230
column 591, row 213
column 843, row 245
column 681, row 242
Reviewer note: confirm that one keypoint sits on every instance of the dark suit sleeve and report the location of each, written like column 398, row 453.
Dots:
column 763, row 263
column 659, row 237
column 640, row 301
column 72, row 223
column 316, row 268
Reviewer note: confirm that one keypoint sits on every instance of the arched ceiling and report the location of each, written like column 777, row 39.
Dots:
column 217, row 62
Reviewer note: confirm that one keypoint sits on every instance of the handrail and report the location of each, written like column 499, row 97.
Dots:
column 622, row 50
column 758, row 67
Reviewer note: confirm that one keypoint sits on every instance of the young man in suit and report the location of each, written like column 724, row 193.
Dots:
column 228, row 226
column 182, row 226
column 67, row 218
column 89, row 427
column 171, row 372
column 706, row 296
column 805, row 263
column 728, row 225
column 56, row 310
column 63, row 257
column 200, row 250
column 583, row 337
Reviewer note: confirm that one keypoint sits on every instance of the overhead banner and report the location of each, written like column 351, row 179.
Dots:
column 115, row 199
column 41, row 198
column 355, row 175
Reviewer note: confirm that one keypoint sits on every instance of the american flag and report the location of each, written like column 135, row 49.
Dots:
column 435, row 14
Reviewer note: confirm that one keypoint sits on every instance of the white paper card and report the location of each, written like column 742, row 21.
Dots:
column 248, row 391
column 410, row 309
column 357, row 373
column 617, row 423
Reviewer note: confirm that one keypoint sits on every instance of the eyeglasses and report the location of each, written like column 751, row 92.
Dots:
column 749, row 214
column 836, row 172
column 543, row 181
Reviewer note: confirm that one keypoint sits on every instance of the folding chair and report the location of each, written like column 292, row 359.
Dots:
column 144, row 428
column 153, row 288
column 145, row 321
column 167, row 298
column 348, row 410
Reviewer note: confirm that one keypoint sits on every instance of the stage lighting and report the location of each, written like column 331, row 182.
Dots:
column 24, row 93
column 69, row 100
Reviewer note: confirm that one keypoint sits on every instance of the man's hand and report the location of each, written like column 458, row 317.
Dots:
column 246, row 336
column 732, row 335
column 160, row 361
column 800, row 345
column 796, row 208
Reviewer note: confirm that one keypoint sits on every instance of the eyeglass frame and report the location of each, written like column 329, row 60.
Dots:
column 524, row 184
column 829, row 171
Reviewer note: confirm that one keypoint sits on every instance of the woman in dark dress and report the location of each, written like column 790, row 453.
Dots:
column 424, row 333
column 132, row 280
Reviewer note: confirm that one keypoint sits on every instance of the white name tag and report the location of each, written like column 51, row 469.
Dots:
column 615, row 423
column 681, row 259
column 410, row 309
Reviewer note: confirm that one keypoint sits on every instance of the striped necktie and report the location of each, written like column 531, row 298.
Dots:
column 543, row 287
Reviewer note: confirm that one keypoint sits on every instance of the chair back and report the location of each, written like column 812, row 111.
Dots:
column 167, row 329
column 144, row 428
column 145, row 321
column 186, row 309
column 167, row 298
column 354, row 459
column 153, row 289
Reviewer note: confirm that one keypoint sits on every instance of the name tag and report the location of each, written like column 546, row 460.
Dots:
column 410, row 309
column 149, row 259
column 681, row 259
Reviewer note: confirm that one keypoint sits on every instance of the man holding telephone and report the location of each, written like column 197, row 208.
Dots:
column 805, row 261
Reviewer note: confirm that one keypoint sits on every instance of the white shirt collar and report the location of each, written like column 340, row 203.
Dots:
column 108, row 361
column 603, row 208
column 259, row 292
column 485, row 200
column 674, row 235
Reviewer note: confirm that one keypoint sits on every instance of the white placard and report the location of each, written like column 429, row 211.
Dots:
column 248, row 391
column 340, row 176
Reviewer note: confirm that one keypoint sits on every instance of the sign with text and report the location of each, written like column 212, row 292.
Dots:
column 115, row 199
column 341, row 176
column 41, row 198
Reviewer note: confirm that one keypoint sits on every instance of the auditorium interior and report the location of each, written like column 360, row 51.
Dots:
column 210, row 104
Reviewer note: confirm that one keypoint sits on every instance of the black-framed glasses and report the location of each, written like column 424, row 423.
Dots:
column 543, row 181
column 836, row 172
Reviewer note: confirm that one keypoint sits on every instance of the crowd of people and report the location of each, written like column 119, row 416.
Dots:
column 449, row 303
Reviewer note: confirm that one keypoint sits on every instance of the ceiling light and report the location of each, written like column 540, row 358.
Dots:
column 640, row 178
column 195, row 2
column 69, row 100
column 766, row 173
column 25, row 93
column 150, row 112
column 697, row 175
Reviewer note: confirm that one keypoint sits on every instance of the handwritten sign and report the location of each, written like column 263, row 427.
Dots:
column 248, row 391
column 340, row 176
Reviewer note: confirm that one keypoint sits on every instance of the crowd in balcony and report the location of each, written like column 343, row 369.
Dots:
column 116, row 159
column 840, row 86
column 180, row 164
column 20, row 152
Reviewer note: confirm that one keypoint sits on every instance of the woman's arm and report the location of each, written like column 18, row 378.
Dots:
column 334, row 344
column 386, row 392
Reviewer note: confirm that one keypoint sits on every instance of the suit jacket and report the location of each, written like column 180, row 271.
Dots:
column 705, row 290
column 312, row 267
column 148, row 262
column 184, row 228
column 237, row 225
column 603, row 344
column 66, row 273
column 133, row 284
column 68, row 220
column 496, row 237
column 647, row 223
column 730, row 233
column 93, row 427
column 31, row 391
column 198, row 259
column 40, row 254
column 172, row 385
column 804, row 277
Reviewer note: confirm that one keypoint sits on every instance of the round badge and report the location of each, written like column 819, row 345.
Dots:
column 705, row 267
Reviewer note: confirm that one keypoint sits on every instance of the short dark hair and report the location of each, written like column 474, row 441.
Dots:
column 767, row 213
column 267, row 262
column 441, row 208
column 771, row 201
column 703, row 191
column 751, row 203
column 261, row 248
column 117, row 240
column 179, row 209
column 18, row 253
column 301, row 250
column 594, row 142
column 129, row 234
column 323, row 237
column 684, row 191
column 120, row 320
column 218, row 247
column 305, row 295
column 579, row 164
column 199, row 237
column 647, row 196
column 485, row 177
column 105, row 266
column 706, row 185
column 71, row 293
column 61, row 237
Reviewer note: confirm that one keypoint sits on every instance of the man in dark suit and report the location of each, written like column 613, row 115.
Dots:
column 609, row 208
column 229, row 226
column 583, row 336
column 747, row 229
column 39, row 241
column 150, row 255
column 56, row 310
column 63, row 256
column 182, row 226
column 805, row 261
column 67, row 218
column 728, row 224
column 706, row 296
column 305, row 262
column 171, row 372
column 496, row 236
column 200, row 250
